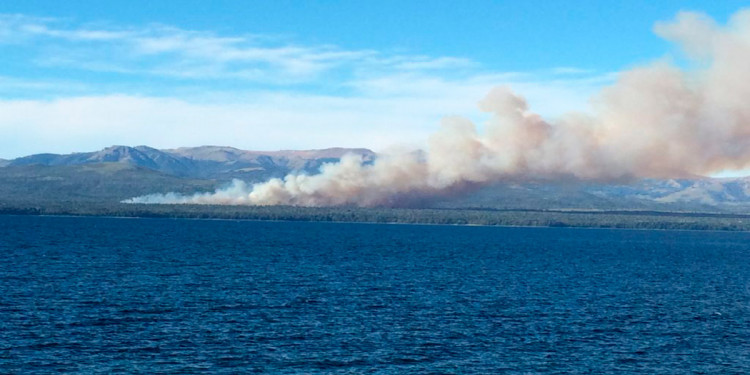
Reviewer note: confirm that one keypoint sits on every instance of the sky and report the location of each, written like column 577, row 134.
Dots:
column 267, row 75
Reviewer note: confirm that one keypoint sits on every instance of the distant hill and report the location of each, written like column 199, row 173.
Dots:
column 120, row 172
column 205, row 162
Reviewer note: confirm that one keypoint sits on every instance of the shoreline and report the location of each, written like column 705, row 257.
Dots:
column 511, row 218
column 390, row 223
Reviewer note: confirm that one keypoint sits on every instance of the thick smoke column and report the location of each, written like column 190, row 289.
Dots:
column 655, row 121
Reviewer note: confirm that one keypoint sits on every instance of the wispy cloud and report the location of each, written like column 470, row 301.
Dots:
column 170, row 51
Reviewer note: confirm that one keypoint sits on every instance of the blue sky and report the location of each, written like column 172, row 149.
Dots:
column 82, row 75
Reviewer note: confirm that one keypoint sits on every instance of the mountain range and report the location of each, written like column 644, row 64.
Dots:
column 206, row 162
column 120, row 172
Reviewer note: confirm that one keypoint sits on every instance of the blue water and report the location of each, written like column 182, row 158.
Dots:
column 101, row 295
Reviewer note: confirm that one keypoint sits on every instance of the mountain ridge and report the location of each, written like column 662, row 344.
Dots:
column 206, row 162
column 208, row 167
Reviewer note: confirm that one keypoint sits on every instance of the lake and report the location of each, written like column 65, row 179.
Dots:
column 106, row 295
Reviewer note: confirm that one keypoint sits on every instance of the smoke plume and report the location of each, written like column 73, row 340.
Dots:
column 657, row 121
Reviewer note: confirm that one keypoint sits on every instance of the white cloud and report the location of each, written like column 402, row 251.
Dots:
column 262, row 120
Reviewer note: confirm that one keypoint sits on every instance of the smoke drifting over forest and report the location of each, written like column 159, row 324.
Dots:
column 659, row 121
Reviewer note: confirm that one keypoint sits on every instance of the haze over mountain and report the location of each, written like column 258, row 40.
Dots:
column 120, row 172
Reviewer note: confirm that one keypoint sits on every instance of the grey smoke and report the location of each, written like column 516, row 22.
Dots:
column 657, row 121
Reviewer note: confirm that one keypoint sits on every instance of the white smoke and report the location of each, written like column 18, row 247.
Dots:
column 655, row 121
